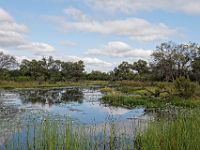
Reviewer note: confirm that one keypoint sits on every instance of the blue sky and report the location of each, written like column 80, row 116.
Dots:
column 102, row 33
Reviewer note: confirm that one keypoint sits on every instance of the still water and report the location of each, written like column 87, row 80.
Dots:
column 82, row 105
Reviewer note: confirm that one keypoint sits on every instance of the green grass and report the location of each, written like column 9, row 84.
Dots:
column 59, row 135
column 183, row 133
column 149, row 95
column 34, row 84
column 148, row 102
column 131, row 101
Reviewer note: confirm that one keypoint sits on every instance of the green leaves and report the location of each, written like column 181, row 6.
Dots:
column 184, row 87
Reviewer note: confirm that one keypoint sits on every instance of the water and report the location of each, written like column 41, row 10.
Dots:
column 83, row 106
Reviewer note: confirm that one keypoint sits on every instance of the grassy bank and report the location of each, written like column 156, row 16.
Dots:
column 151, row 95
column 182, row 133
column 34, row 84
column 148, row 102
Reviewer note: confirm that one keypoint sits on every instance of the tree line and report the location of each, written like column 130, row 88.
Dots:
column 168, row 61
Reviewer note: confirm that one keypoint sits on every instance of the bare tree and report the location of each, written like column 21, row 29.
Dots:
column 7, row 61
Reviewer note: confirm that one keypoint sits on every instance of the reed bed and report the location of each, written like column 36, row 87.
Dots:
column 182, row 133
column 179, row 133
column 64, row 135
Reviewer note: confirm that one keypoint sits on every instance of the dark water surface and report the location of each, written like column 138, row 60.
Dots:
column 83, row 106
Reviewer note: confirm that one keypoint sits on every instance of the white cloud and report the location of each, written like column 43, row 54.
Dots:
column 11, row 33
column 68, row 43
column 91, row 63
column 76, row 14
column 37, row 48
column 13, row 36
column 134, row 28
column 120, row 49
column 134, row 6
column 5, row 16
column 4, row 51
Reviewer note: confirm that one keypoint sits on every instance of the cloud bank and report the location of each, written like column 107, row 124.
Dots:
column 190, row 7
column 135, row 28
column 14, row 36
column 120, row 49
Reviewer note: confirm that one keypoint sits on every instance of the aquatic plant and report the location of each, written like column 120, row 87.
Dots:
column 58, row 134
column 182, row 133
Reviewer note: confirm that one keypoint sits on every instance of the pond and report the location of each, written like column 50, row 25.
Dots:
column 82, row 105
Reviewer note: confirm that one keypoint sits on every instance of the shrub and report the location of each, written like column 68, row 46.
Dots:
column 22, row 79
column 106, row 90
column 184, row 87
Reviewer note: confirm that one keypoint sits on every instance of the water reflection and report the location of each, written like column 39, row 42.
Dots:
column 51, row 97
column 80, row 105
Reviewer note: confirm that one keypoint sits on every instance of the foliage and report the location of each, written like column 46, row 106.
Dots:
column 181, row 133
column 196, row 67
column 73, row 71
column 173, row 60
column 7, row 61
column 97, row 75
column 123, row 71
column 170, row 60
column 140, row 66
column 106, row 90
column 184, row 87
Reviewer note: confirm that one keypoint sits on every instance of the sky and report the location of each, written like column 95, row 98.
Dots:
column 102, row 33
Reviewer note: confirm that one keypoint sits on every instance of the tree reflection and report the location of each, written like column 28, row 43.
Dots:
column 51, row 96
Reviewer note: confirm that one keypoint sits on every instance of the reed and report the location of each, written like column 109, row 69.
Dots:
column 182, row 133
column 64, row 135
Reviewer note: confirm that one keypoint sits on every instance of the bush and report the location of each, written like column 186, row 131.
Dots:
column 184, row 87
column 106, row 90
column 22, row 79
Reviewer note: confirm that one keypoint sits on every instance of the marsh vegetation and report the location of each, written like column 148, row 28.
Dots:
column 52, row 104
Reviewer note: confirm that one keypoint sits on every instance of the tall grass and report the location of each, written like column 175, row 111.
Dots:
column 183, row 133
column 123, row 100
column 35, row 84
column 64, row 135
column 132, row 101
column 179, row 133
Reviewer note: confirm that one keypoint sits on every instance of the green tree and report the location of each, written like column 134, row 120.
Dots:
column 7, row 61
column 140, row 66
column 98, row 75
column 51, row 68
column 196, row 67
column 172, row 60
column 123, row 71
column 73, row 70
column 33, row 69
